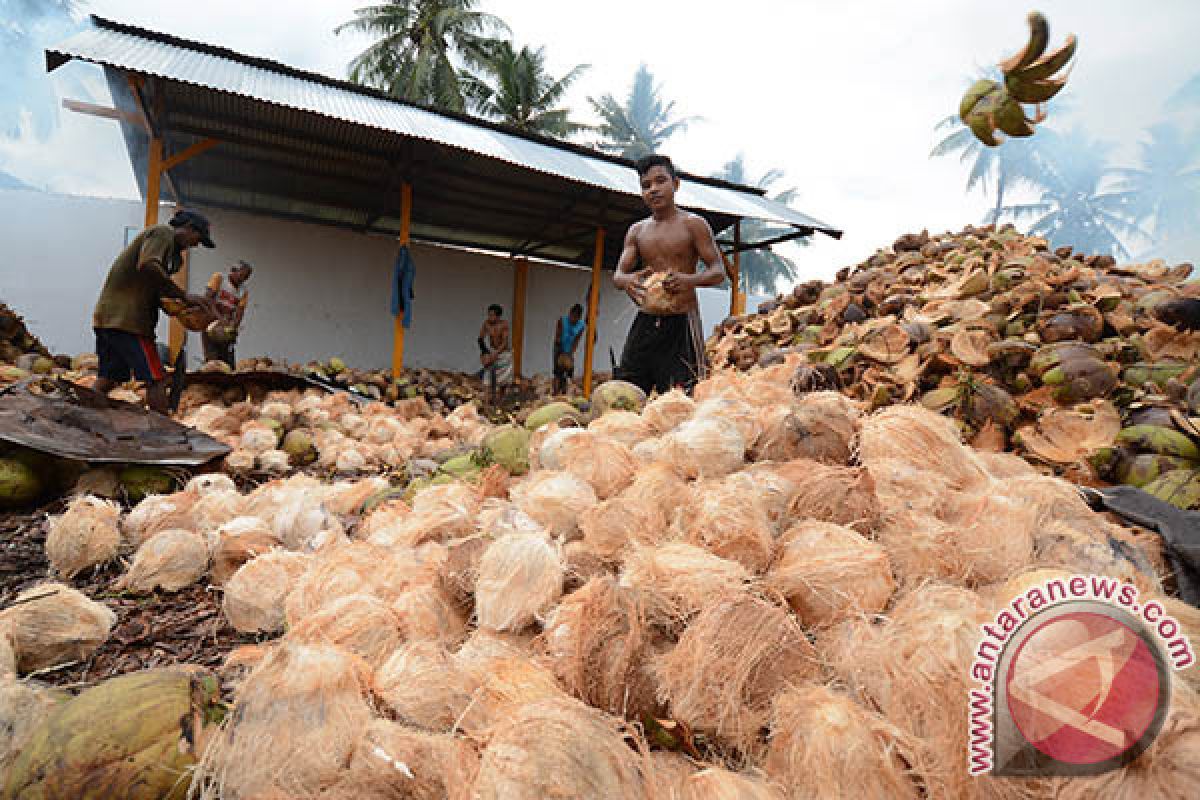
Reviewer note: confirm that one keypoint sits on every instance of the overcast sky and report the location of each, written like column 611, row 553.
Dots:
column 843, row 96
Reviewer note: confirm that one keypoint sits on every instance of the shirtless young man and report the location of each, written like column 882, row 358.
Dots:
column 495, row 351
column 666, row 351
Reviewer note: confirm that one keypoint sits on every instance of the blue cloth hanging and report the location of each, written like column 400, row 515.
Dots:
column 403, row 275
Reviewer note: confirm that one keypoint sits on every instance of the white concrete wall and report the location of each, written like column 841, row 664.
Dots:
column 316, row 292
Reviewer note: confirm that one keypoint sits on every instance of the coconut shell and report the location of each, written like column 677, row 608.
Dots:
column 51, row 624
column 729, row 664
column 829, row 573
column 170, row 560
column 1065, row 436
column 558, row 748
column 84, row 536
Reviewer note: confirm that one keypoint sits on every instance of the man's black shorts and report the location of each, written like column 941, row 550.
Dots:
column 662, row 353
column 122, row 354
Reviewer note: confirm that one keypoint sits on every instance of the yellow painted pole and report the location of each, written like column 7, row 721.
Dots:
column 737, row 300
column 593, row 306
column 398, row 320
column 154, row 171
column 520, row 282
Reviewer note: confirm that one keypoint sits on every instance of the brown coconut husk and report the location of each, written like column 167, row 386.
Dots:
column 169, row 560
column 347, row 497
column 678, row 580
column 625, row 427
column 991, row 534
column 667, row 411
column 916, row 435
column 808, row 429
column 158, row 512
column 1066, row 435
column 581, row 564
column 394, row 761
column 665, row 773
column 8, row 657
column 428, row 612
column 555, row 499
column 304, row 525
column 499, row 517
column 439, row 514
column 704, row 447
column 51, row 624
column 353, row 569
column 212, row 510
column 610, row 527
column 255, row 594
column 461, row 570
column 23, row 707
column 602, row 462
column 558, row 748
column 729, row 523
column 920, row 548
column 1188, row 617
column 425, row 688
column 841, row 495
column 504, row 682
column 729, row 663
column 360, row 624
column 1168, row 769
column 657, row 485
column 822, row 738
column 1002, row 466
column 829, row 573
column 520, row 578
column 735, row 407
column 84, row 536
column 904, row 485
column 916, row 669
column 296, row 722
column 1062, row 545
column 598, row 643
column 715, row 783
column 231, row 551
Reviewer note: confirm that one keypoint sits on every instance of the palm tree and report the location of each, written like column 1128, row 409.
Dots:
column 522, row 94
column 424, row 48
column 1165, row 190
column 762, row 269
column 1075, row 207
column 642, row 123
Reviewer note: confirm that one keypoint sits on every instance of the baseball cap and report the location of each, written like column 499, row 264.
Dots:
column 197, row 221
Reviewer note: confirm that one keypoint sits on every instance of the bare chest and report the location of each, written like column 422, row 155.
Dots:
column 663, row 246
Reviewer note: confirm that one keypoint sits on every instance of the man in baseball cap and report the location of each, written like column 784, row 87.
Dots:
column 126, row 312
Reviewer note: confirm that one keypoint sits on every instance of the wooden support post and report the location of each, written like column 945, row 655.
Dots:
column 737, row 300
column 520, row 284
column 592, row 313
column 398, row 320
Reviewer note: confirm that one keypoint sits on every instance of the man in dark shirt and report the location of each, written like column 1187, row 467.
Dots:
column 126, row 312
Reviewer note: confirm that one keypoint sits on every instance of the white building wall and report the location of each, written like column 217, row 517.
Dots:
column 316, row 292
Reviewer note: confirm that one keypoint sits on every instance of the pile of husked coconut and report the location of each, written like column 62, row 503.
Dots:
column 740, row 594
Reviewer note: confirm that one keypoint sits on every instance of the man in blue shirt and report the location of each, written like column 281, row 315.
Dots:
column 567, row 334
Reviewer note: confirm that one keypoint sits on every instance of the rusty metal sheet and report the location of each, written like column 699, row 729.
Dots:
column 267, row 379
column 71, row 421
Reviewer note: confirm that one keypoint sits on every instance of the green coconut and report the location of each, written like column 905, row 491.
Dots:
column 140, row 481
column 274, row 425
column 300, row 447
column 336, row 365
column 618, row 395
column 418, row 485
column 11, row 374
column 508, row 446
column 464, row 466
column 19, row 484
column 155, row 724
column 553, row 412
column 43, row 365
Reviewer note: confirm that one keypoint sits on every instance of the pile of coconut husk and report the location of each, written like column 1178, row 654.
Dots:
column 21, row 353
column 740, row 593
column 1087, row 368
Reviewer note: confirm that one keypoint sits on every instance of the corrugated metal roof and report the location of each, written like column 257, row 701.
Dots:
column 128, row 48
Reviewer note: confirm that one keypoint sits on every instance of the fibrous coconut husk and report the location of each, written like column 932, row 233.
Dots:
column 1188, row 617
column 602, row 462
column 829, row 573
column 678, row 580
column 581, row 564
column 394, row 761
column 598, row 644
column 233, row 549
column 520, row 578
column 842, row 495
column 555, row 499
column 715, row 783
column 295, row 725
column 8, row 658
column 23, row 708
column 821, row 426
column 625, row 427
column 169, row 560
column 461, row 570
column 991, row 534
column 300, row 523
column 734, row 407
column 85, row 535
column 558, row 748
column 211, row 511
column 505, row 680
column 821, row 738
column 729, row 523
column 439, row 514
column 159, row 512
column 914, row 434
column 428, row 612
column 1169, row 768
column 665, row 774
column 51, row 624
column 611, row 526
column 208, row 483
column 360, row 624
column 657, row 485
column 255, row 594
column 356, row 568
column 704, row 447
column 729, row 663
column 423, row 686
column 667, row 411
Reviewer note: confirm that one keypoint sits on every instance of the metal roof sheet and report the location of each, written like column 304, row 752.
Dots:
column 126, row 47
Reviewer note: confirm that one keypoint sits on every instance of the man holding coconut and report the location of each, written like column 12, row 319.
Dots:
column 126, row 312
column 228, row 294
column 665, row 345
